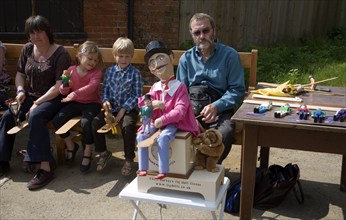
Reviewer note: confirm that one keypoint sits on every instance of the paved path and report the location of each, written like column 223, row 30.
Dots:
column 72, row 195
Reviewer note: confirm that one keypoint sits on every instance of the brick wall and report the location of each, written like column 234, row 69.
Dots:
column 106, row 20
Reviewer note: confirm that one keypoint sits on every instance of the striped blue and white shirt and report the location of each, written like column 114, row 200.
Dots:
column 122, row 87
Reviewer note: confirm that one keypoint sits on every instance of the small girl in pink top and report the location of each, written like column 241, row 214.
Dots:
column 82, row 87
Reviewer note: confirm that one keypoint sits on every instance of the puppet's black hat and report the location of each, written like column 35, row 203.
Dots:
column 155, row 47
column 147, row 97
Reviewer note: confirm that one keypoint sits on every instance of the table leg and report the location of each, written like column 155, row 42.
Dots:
column 264, row 157
column 343, row 174
column 137, row 210
column 249, row 158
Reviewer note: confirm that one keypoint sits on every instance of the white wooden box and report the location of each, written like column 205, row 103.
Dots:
column 182, row 155
column 202, row 182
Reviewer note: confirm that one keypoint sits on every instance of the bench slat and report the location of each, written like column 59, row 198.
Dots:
column 248, row 59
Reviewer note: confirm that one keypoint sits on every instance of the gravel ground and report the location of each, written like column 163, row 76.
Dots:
column 72, row 195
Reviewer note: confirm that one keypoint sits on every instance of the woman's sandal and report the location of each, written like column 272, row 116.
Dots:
column 127, row 168
column 85, row 168
column 73, row 152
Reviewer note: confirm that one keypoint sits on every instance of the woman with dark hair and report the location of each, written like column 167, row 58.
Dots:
column 41, row 63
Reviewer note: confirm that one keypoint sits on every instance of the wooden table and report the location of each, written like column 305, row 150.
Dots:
column 288, row 133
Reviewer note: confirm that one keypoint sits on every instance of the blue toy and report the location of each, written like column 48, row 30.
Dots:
column 318, row 115
column 303, row 112
column 263, row 107
column 340, row 115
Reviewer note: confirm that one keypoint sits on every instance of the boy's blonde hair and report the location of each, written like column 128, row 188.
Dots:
column 123, row 45
column 89, row 47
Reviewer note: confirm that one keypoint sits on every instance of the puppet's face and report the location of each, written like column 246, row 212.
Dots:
column 147, row 102
column 161, row 65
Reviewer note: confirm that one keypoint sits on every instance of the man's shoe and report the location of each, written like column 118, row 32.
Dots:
column 41, row 178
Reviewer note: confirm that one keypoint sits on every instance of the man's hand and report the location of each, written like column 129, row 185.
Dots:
column 158, row 123
column 157, row 104
column 209, row 114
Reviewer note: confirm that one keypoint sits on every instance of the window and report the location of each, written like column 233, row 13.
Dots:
column 65, row 16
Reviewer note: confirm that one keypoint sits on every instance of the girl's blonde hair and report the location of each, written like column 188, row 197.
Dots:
column 123, row 45
column 90, row 47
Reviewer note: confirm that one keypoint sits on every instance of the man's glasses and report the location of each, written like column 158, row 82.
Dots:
column 198, row 33
column 153, row 62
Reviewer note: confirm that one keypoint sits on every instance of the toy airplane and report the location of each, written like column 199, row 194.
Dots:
column 14, row 107
column 68, row 125
column 17, row 128
column 150, row 140
column 283, row 90
column 110, row 125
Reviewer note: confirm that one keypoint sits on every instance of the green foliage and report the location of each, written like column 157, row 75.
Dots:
column 186, row 45
column 321, row 58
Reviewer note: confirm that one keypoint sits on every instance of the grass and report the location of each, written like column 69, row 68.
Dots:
column 322, row 58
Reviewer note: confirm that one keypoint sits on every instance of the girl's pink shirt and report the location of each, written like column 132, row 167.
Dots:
column 84, row 89
column 178, row 108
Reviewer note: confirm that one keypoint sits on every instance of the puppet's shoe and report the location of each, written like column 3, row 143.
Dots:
column 142, row 173
column 142, row 132
column 160, row 176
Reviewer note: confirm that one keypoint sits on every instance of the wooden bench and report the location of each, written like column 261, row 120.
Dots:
column 248, row 59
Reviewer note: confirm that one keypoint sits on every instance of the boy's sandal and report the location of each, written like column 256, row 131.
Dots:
column 127, row 169
column 104, row 159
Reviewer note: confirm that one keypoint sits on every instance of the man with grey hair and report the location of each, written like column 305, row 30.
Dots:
column 215, row 77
